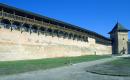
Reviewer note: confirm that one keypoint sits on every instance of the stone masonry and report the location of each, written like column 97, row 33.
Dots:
column 17, row 46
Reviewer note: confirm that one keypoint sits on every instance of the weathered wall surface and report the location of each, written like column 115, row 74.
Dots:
column 17, row 46
column 129, row 47
column 122, row 42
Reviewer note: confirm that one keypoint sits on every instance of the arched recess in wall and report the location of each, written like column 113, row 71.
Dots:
column 16, row 26
column 49, row 32
column 42, row 30
column 6, row 23
column 65, row 35
column 55, row 33
column 25, row 28
column 34, row 29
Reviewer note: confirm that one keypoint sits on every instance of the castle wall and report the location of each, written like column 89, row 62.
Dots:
column 15, row 45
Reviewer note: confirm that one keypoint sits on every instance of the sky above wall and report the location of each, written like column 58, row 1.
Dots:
column 95, row 15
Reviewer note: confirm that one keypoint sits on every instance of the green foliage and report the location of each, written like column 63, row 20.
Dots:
column 121, row 62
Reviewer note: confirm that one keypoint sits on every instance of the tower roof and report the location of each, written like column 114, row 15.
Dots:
column 119, row 27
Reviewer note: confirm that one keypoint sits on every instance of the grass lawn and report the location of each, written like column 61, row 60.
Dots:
column 120, row 67
column 14, row 67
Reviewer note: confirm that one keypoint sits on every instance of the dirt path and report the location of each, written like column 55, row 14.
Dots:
column 71, row 72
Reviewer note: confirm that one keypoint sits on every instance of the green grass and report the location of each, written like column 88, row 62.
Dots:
column 121, row 62
column 14, row 67
column 119, row 67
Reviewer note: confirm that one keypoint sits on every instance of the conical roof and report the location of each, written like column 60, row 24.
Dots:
column 118, row 27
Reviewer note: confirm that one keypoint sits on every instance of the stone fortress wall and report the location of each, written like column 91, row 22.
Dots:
column 26, row 35
column 15, row 45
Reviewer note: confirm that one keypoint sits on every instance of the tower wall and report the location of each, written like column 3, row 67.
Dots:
column 122, row 42
column 114, row 39
column 128, row 47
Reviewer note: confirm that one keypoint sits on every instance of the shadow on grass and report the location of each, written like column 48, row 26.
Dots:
column 120, row 67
